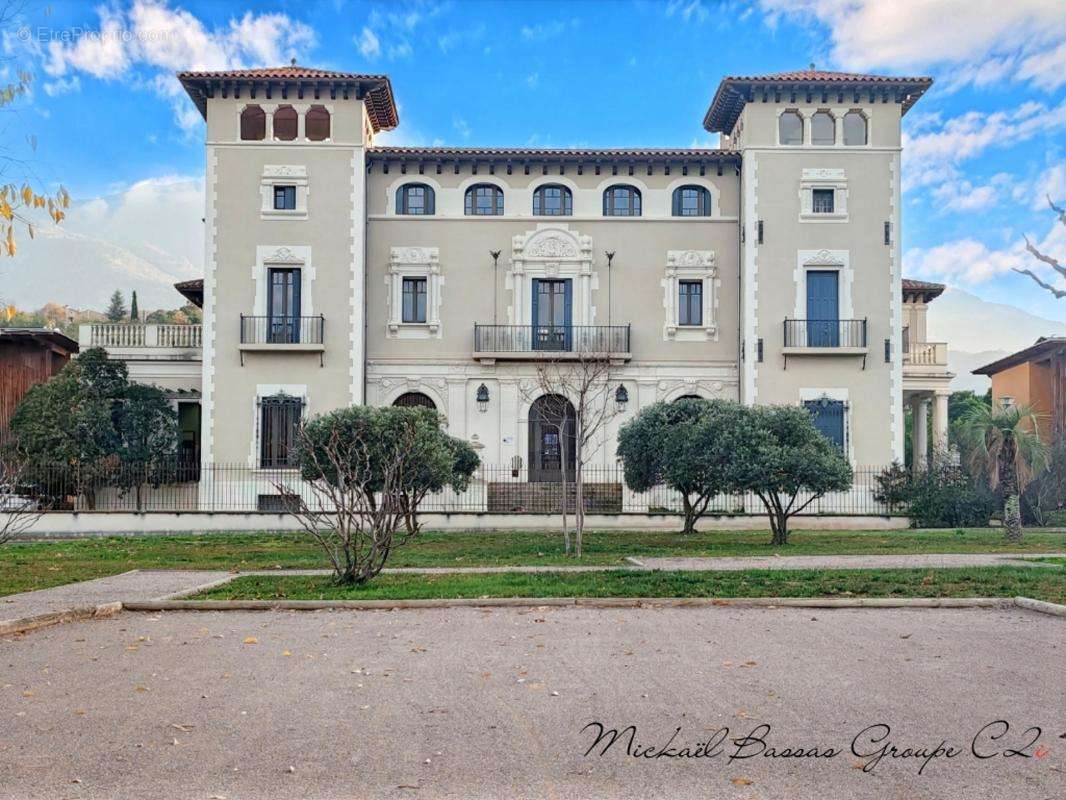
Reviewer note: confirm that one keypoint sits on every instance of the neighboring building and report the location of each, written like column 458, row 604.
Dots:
column 337, row 272
column 1034, row 377
column 926, row 380
column 28, row 356
column 167, row 356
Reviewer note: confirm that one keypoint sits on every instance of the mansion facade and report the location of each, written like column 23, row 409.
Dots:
column 338, row 272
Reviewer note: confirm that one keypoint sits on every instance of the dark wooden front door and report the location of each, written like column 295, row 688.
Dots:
column 823, row 309
column 551, row 439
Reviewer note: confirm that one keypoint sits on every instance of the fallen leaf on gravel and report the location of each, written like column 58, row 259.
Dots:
column 139, row 688
column 741, row 782
column 486, row 674
column 905, row 636
column 408, row 786
column 286, row 653
column 182, row 728
column 250, row 640
column 750, row 664
column 858, row 765
column 80, row 712
column 27, row 693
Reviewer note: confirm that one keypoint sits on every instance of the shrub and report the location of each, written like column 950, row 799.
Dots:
column 944, row 496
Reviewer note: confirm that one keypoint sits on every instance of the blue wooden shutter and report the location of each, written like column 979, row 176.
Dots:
column 431, row 206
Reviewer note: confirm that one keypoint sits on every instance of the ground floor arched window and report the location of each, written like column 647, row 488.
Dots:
column 415, row 400
column 551, row 438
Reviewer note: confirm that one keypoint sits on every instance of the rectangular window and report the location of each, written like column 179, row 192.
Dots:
column 414, row 300
column 690, row 303
column 822, row 201
column 279, row 420
column 283, row 306
column 284, row 198
column 828, row 418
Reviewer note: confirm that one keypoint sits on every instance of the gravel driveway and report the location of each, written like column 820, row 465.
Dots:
column 472, row 703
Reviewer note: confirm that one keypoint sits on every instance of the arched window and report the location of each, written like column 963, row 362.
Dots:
column 687, row 397
column 823, row 128
column 484, row 200
column 552, row 201
column 621, row 201
column 790, row 128
column 286, row 122
column 692, row 201
column 415, row 400
column 253, row 124
column 854, row 128
column 316, row 123
column 415, row 198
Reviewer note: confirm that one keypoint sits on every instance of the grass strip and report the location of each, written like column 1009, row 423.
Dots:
column 1040, row 584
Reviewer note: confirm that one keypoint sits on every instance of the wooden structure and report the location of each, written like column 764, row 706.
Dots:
column 1036, row 377
column 28, row 356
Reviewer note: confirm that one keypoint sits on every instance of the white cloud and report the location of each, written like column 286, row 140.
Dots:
column 688, row 10
column 935, row 147
column 163, row 40
column 532, row 79
column 543, row 31
column 452, row 39
column 462, row 127
column 62, row 86
column 988, row 39
column 369, row 45
column 969, row 261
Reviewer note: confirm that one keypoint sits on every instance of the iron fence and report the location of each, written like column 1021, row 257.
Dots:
column 825, row 332
column 282, row 330
column 551, row 338
column 178, row 486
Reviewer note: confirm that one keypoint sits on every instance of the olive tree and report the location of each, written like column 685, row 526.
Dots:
column 366, row 471
column 689, row 445
column 788, row 464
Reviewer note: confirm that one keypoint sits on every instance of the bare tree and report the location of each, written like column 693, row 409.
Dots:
column 582, row 375
column 18, row 512
column 1051, row 262
column 354, row 509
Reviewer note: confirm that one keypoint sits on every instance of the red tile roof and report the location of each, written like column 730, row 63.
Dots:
column 732, row 91
column 193, row 291
column 1044, row 347
column 377, row 89
column 524, row 152
column 929, row 290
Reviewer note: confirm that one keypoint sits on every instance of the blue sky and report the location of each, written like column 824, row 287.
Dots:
column 982, row 147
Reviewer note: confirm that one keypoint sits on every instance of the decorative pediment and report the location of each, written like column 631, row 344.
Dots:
column 283, row 255
column 690, row 259
column 422, row 256
column 552, row 241
column 824, row 258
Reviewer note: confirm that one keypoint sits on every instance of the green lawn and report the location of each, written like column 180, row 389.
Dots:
column 38, row 565
column 1043, row 584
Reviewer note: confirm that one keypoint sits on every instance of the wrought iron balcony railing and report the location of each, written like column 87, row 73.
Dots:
column 282, row 330
column 576, row 339
column 850, row 333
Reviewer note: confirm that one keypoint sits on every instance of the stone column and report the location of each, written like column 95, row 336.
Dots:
column 919, row 439
column 940, row 421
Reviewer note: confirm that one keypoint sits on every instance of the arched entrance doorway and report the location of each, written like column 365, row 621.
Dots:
column 551, row 438
column 415, row 399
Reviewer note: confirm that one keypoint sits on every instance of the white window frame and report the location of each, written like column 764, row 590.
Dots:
column 414, row 262
column 284, row 175
column 839, row 395
column 824, row 261
column 283, row 256
column 823, row 178
column 297, row 390
column 690, row 265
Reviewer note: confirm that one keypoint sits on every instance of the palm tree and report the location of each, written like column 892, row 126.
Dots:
column 1004, row 444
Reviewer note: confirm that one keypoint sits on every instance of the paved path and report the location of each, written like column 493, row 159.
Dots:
column 917, row 561
column 135, row 585
column 472, row 704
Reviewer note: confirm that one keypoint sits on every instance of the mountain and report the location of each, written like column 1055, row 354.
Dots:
column 978, row 332
column 145, row 238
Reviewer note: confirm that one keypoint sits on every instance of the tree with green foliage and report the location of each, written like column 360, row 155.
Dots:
column 89, row 425
column 366, row 470
column 688, row 445
column 134, row 312
column 148, row 439
column 1004, row 445
column 116, row 309
column 789, row 464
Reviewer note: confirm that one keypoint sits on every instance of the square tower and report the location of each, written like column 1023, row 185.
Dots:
column 821, row 291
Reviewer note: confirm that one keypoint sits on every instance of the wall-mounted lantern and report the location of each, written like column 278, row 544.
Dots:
column 621, row 398
column 482, row 398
